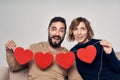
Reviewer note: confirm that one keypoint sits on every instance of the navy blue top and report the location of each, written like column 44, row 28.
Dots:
column 104, row 67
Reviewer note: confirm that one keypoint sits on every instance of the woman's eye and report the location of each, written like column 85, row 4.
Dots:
column 83, row 28
column 75, row 29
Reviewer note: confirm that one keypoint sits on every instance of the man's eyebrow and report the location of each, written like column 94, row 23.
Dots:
column 62, row 28
column 53, row 26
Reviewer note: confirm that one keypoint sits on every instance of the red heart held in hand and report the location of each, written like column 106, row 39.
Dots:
column 23, row 56
column 43, row 60
column 87, row 54
column 65, row 60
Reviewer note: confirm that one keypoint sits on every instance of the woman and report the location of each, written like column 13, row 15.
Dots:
column 105, row 65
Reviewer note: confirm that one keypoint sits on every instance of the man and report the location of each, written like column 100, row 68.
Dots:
column 56, row 34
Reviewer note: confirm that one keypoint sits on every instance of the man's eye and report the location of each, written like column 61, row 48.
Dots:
column 53, row 29
column 62, row 30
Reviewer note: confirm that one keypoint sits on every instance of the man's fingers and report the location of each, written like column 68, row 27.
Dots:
column 10, row 44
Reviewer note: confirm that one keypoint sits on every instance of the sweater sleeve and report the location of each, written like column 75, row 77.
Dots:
column 113, row 61
column 12, row 63
column 73, row 73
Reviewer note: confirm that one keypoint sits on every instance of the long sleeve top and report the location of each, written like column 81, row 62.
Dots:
column 53, row 72
column 104, row 67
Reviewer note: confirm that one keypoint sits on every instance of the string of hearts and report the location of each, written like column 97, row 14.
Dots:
column 65, row 60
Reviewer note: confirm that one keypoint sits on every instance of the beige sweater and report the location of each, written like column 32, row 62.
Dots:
column 54, row 72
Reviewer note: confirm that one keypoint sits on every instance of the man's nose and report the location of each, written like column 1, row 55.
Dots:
column 57, row 32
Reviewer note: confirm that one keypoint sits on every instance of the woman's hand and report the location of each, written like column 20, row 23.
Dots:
column 107, row 46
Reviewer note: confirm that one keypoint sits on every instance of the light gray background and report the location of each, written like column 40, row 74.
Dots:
column 26, row 21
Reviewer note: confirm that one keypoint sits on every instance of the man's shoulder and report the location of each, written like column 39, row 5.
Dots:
column 44, row 44
column 38, row 44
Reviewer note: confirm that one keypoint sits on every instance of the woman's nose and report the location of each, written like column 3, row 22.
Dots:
column 79, row 31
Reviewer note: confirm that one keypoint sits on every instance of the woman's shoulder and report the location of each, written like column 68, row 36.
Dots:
column 90, row 42
column 95, row 40
column 74, row 47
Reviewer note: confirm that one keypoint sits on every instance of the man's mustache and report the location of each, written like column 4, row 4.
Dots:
column 58, row 37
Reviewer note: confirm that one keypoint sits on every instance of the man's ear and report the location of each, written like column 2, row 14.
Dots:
column 65, row 32
column 48, row 29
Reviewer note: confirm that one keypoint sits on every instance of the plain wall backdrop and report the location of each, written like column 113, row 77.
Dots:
column 26, row 21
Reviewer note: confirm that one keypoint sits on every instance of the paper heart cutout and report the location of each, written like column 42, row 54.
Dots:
column 43, row 60
column 87, row 54
column 23, row 56
column 65, row 60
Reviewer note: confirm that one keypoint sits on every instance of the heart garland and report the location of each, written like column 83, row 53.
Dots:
column 65, row 60
column 23, row 56
column 43, row 60
column 87, row 54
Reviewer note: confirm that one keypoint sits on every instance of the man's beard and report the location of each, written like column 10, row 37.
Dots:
column 55, row 45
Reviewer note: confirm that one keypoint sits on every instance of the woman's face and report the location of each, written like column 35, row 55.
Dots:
column 80, row 33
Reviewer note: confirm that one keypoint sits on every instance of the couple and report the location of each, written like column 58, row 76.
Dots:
column 105, row 66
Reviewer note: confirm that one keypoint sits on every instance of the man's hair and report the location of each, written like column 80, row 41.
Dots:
column 56, row 19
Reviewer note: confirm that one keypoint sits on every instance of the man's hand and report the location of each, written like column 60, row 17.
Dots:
column 107, row 46
column 10, row 45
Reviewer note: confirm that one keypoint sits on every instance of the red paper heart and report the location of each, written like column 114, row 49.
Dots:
column 43, row 60
column 65, row 60
column 87, row 54
column 23, row 56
